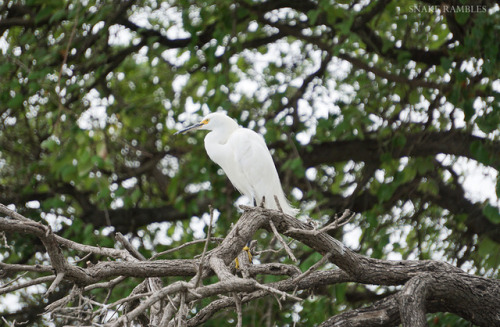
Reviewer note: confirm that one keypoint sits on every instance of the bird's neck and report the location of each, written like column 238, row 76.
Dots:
column 221, row 135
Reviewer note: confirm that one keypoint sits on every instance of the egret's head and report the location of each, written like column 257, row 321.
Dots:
column 210, row 122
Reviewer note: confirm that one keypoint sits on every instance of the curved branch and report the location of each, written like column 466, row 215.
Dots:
column 412, row 301
column 447, row 198
column 476, row 222
column 438, row 285
column 419, row 144
column 129, row 219
column 384, row 312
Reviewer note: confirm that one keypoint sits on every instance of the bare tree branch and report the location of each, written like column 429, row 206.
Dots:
column 428, row 286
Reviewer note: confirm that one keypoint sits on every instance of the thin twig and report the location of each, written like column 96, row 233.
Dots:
column 263, row 203
column 278, row 236
column 10, row 324
column 180, row 313
column 312, row 268
column 126, row 244
column 337, row 222
column 179, row 286
column 65, row 58
column 84, row 258
column 273, row 290
column 14, row 323
column 75, row 291
column 7, row 289
column 272, row 250
column 13, row 214
column 171, row 302
column 202, row 261
column 217, row 239
column 239, row 311
column 277, row 300
column 112, row 283
column 169, row 311
column 14, row 280
column 4, row 239
column 55, row 283
column 128, row 299
column 114, row 253
column 106, row 216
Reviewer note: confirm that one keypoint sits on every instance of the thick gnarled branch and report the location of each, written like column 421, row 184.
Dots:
column 428, row 286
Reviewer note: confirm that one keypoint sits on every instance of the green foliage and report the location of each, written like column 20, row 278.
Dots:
column 91, row 93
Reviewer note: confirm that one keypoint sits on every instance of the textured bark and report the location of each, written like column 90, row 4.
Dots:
column 412, row 301
column 427, row 286
column 417, row 145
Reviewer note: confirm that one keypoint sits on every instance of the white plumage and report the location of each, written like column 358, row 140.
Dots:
column 245, row 158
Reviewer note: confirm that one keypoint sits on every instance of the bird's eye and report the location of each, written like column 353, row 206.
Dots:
column 205, row 121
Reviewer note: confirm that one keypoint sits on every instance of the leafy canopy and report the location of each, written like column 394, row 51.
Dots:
column 382, row 107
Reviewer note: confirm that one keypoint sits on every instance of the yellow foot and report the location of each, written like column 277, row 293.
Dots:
column 237, row 262
column 246, row 248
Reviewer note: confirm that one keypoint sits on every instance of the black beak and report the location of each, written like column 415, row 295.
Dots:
column 187, row 129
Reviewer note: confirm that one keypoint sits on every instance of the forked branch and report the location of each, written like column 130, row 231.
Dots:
column 428, row 286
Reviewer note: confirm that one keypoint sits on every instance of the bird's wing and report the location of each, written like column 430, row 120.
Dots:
column 223, row 155
column 255, row 165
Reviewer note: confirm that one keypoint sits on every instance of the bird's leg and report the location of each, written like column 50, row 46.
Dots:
column 247, row 248
column 278, row 203
column 249, row 253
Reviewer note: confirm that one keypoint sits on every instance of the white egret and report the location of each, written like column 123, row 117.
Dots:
column 245, row 158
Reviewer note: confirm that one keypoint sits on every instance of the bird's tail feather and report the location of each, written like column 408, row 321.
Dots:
column 283, row 203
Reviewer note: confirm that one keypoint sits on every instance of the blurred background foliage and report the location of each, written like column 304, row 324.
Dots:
column 387, row 108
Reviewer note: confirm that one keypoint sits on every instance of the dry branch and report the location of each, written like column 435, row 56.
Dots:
column 280, row 239
column 428, row 286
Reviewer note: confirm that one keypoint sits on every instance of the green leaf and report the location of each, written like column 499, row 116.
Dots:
column 52, row 203
column 489, row 250
column 68, row 172
column 429, row 186
column 462, row 17
column 399, row 141
column 5, row 68
column 104, row 193
column 385, row 192
column 424, row 165
column 136, row 194
column 85, row 165
column 49, row 144
column 16, row 102
column 386, row 157
column 172, row 187
column 489, row 122
column 415, row 96
column 469, row 110
column 408, row 174
column 43, row 13
column 295, row 165
column 492, row 213
column 480, row 152
column 120, row 191
column 340, row 292
column 498, row 186
column 446, row 62
column 313, row 15
column 58, row 15
column 404, row 56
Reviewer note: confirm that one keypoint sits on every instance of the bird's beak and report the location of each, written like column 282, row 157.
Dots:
column 187, row 129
